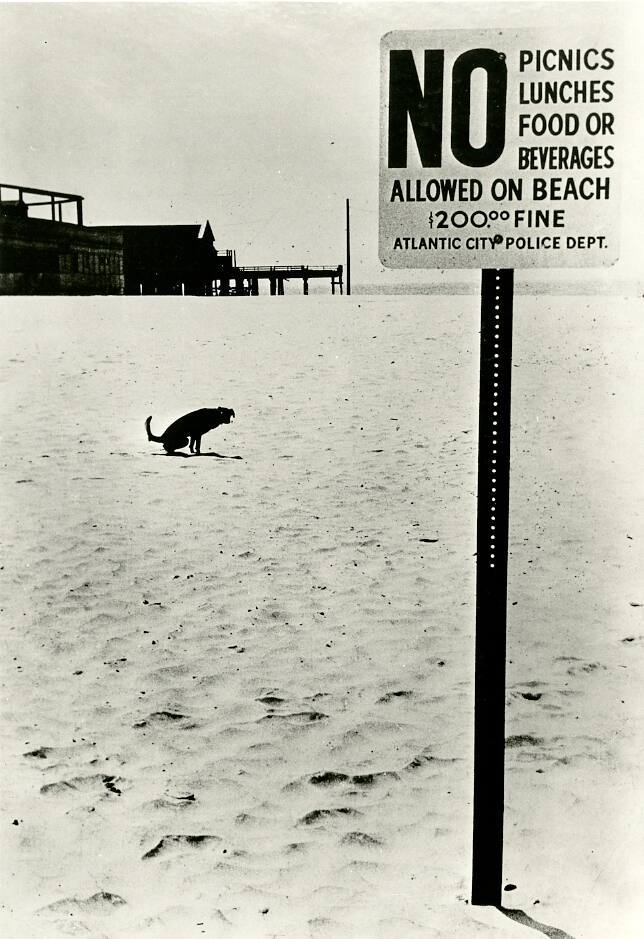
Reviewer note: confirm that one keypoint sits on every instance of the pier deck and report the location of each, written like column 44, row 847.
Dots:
column 245, row 280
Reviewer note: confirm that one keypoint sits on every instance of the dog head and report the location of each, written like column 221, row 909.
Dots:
column 221, row 416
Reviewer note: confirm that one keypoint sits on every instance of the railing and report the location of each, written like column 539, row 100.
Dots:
column 55, row 200
column 282, row 268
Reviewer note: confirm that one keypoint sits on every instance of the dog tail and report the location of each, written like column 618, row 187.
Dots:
column 150, row 434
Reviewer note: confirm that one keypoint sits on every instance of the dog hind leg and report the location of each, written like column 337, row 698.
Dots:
column 175, row 443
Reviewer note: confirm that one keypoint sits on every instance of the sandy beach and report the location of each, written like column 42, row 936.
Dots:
column 238, row 689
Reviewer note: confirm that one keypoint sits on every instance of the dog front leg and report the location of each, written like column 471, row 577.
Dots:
column 197, row 445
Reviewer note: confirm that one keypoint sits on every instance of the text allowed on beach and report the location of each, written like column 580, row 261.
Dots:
column 499, row 149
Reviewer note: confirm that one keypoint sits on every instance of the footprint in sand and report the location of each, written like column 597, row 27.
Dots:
column 320, row 815
column 179, row 842
column 270, row 700
column 300, row 717
column 296, row 847
column 328, row 778
column 161, row 717
column 371, row 779
column 173, row 801
column 576, row 666
column 391, row 695
column 523, row 740
column 99, row 784
column 526, row 695
column 423, row 758
column 61, row 753
column 360, row 838
column 101, row 902
column 585, row 668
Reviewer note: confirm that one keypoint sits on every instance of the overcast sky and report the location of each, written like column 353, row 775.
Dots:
column 262, row 117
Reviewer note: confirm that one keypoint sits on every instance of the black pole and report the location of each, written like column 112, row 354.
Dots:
column 348, row 252
column 491, row 584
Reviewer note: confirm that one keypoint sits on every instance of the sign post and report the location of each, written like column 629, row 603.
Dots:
column 498, row 151
column 491, row 584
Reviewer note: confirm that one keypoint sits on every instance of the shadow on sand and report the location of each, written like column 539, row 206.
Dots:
column 524, row 920
column 189, row 456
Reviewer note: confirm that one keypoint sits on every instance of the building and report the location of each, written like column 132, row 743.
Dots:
column 59, row 255
column 170, row 259
column 51, row 255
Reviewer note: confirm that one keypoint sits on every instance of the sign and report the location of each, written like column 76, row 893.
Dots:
column 499, row 149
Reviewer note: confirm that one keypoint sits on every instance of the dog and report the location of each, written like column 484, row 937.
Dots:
column 190, row 428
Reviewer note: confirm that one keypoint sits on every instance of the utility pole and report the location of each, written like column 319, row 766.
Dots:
column 348, row 252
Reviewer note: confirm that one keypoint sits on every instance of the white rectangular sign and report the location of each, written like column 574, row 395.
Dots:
column 499, row 148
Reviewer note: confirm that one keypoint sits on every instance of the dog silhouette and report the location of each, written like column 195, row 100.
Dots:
column 190, row 428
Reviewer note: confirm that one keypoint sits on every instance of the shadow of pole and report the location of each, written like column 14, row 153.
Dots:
column 519, row 916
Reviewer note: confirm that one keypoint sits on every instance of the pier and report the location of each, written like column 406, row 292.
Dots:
column 244, row 281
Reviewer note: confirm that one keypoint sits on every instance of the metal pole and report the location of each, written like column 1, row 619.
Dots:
column 348, row 252
column 491, row 584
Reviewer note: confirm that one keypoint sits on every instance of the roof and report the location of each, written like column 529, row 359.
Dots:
column 201, row 231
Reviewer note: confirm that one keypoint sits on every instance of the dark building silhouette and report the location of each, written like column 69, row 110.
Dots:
column 55, row 255
column 58, row 255
column 52, row 256
column 170, row 259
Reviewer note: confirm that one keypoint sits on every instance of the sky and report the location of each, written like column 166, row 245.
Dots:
column 262, row 117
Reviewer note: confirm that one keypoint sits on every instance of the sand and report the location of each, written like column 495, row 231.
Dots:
column 237, row 689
